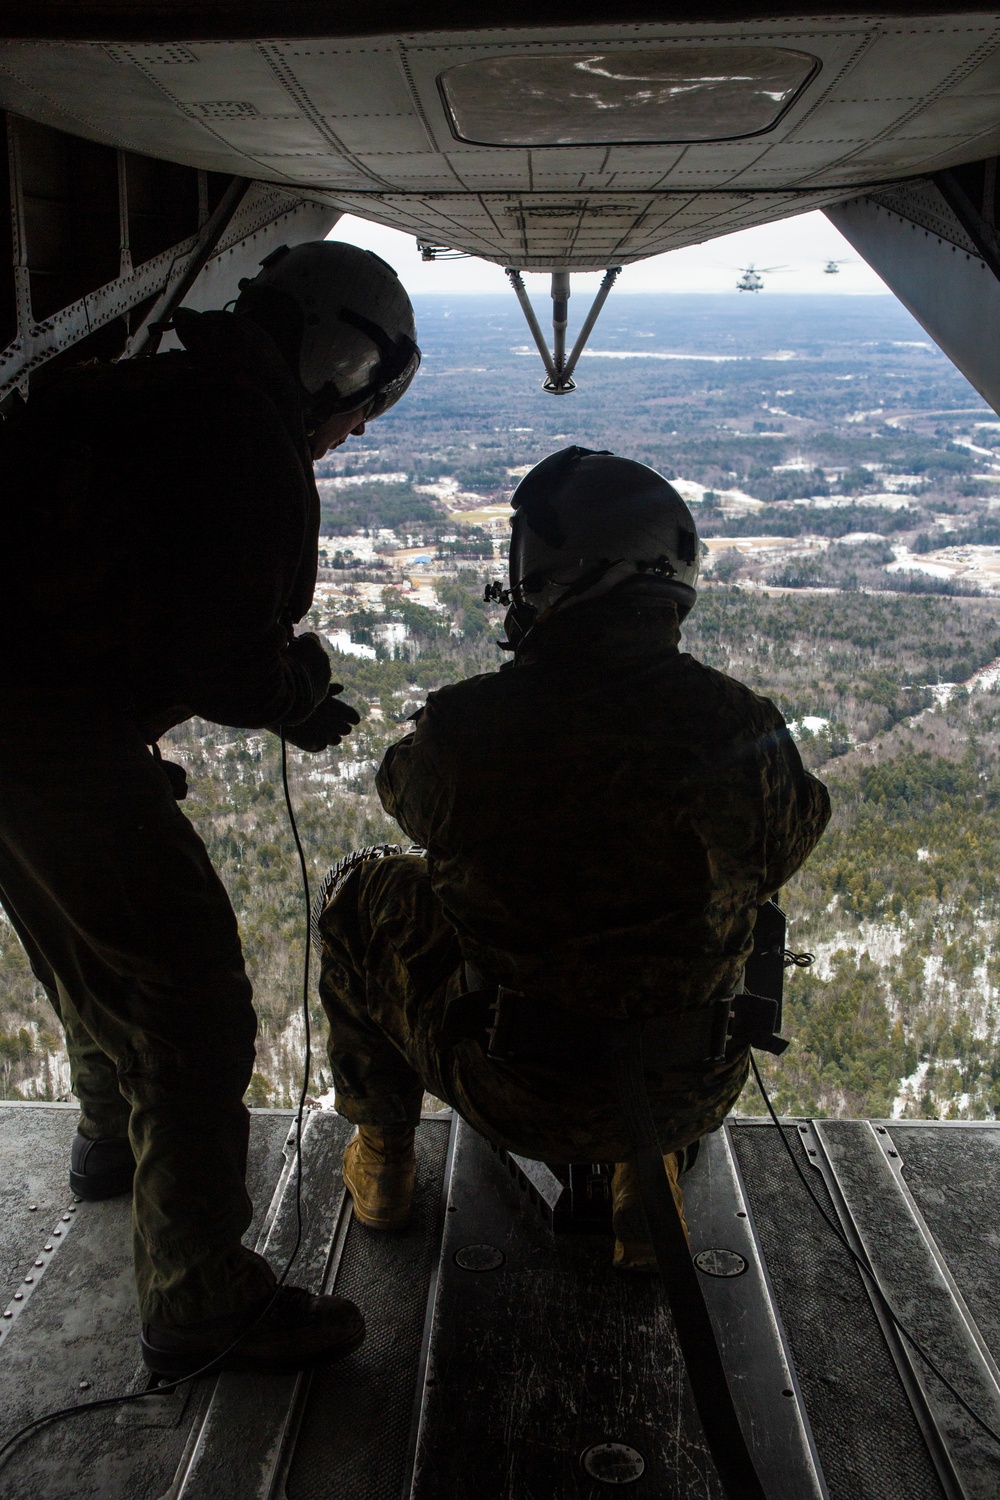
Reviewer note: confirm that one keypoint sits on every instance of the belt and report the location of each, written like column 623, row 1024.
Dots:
column 514, row 1027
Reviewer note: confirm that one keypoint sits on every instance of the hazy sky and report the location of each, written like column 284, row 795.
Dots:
column 803, row 244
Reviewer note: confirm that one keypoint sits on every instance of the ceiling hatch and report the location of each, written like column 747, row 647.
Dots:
column 618, row 97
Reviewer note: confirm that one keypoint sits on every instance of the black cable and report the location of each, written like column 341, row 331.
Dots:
column 166, row 1387
column 307, row 1066
column 866, row 1267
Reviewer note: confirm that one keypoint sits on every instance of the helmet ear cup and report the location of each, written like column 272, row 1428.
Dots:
column 517, row 622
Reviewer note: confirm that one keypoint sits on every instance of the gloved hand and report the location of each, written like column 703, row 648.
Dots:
column 327, row 725
column 309, row 656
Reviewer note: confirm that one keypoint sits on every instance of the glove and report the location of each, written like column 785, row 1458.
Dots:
column 327, row 725
column 308, row 657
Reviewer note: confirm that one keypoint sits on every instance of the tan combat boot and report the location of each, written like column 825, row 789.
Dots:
column 379, row 1170
column 633, row 1252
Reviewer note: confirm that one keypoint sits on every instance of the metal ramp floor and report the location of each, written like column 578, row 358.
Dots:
column 505, row 1362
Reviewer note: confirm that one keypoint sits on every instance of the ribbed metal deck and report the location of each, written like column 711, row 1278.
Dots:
column 504, row 1362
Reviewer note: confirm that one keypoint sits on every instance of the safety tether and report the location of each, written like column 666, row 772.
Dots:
column 706, row 1371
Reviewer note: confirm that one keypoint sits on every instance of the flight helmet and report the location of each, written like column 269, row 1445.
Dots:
column 585, row 522
column 343, row 321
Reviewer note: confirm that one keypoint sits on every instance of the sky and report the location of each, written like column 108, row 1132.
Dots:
column 802, row 244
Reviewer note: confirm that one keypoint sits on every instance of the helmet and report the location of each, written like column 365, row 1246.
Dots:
column 343, row 321
column 585, row 522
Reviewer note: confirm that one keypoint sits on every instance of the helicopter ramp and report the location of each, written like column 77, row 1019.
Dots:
column 505, row 1361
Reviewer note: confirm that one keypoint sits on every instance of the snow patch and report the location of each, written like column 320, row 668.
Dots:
column 910, row 1090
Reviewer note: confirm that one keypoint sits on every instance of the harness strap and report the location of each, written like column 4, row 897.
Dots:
column 706, row 1371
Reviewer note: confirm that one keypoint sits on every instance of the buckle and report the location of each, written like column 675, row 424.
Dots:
column 718, row 1029
column 502, row 1034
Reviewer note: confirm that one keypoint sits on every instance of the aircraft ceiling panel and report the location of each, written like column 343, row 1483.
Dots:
column 623, row 170
column 484, row 175
column 400, row 166
column 938, row 119
column 378, row 133
column 984, row 78
column 255, row 135
column 314, row 167
column 33, row 82
column 568, row 162
column 348, row 81
column 938, row 54
column 714, row 159
column 592, row 236
column 363, row 124
column 844, row 121
column 208, row 75
column 900, row 158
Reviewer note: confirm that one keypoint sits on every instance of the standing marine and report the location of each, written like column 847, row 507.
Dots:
column 160, row 523
column 602, row 819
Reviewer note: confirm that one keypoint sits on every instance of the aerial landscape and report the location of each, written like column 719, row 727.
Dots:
column 845, row 480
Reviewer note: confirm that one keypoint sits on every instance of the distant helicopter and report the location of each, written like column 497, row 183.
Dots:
column 832, row 267
column 752, row 278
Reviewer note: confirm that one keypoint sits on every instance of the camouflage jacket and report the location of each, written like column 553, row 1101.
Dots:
column 603, row 817
column 160, row 524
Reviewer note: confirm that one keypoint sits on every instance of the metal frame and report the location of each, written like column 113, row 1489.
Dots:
column 933, row 1408
column 558, row 369
column 216, row 1464
column 146, row 339
column 52, row 1243
column 935, row 241
column 748, row 1325
column 246, row 212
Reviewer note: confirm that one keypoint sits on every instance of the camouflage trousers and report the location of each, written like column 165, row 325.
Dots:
column 130, row 931
column 391, row 966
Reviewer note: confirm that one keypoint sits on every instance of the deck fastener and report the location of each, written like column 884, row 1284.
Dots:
column 720, row 1263
column 613, row 1463
column 479, row 1258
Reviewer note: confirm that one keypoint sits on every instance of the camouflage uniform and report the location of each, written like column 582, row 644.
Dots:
column 155, row 556
column 601, row 821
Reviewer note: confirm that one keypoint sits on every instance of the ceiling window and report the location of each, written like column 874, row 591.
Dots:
column 618, row 97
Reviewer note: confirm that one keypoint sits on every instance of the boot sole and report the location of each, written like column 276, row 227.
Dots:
column 176, row 1364
column 398, row 1221
column 107, row 1185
